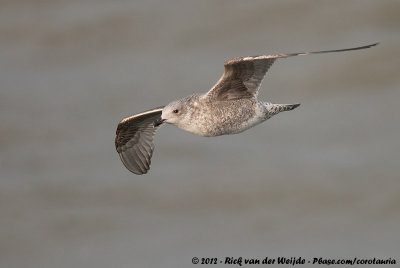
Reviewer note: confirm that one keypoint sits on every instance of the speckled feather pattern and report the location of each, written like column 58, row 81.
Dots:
column 230, row 107
column 213, row 118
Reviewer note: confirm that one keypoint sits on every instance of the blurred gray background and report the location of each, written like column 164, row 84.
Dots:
column 322, row 180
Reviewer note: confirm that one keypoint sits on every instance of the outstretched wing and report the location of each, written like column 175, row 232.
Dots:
column 242, row 77
column 134, row 140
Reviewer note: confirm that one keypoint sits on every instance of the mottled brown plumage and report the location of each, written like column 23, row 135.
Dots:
column 230, row 107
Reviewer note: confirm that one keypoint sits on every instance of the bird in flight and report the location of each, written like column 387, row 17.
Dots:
column 230, row 107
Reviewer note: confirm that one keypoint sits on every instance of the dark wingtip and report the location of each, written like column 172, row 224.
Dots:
column 372, row 45
column 364, row 47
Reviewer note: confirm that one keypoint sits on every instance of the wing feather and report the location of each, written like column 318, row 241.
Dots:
column 243, row 76
column 134, row 140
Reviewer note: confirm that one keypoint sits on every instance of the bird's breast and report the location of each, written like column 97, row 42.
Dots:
column 222, row 118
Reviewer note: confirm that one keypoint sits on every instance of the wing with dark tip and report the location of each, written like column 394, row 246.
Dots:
column 242, row 77
column 134, row 140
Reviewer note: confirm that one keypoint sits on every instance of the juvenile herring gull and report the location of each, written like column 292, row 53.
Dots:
column 230, row 107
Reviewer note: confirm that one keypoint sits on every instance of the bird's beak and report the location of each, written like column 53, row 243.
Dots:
column 158, row 122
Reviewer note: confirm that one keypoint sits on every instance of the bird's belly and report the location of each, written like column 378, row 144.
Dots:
column 222, row 126
column 224, row 118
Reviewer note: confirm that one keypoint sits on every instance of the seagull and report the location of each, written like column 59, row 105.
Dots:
column 229, row 107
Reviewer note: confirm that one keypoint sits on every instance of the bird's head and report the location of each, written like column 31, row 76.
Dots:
column 173, row 113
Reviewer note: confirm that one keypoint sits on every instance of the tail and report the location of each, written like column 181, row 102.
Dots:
column 274, row 109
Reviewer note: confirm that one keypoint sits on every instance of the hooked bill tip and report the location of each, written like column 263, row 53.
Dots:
column 158, row 122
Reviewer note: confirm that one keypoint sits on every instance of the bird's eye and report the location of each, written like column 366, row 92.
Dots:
column 175, row 111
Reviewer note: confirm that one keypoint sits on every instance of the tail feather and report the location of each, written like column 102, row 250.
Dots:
column 277, row 108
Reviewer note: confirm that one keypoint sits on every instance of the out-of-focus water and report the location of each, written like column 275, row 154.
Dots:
column 322, row 180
